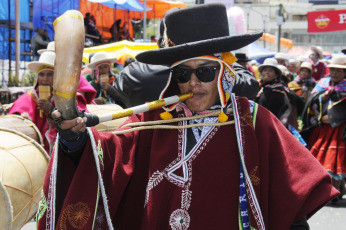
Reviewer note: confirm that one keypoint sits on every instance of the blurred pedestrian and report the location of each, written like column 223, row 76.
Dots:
column 38, row 42
column 101, row 63
column 319, row 68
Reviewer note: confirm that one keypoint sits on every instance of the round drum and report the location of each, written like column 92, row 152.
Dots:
column 106, row 109
column 23, row 165
column 22, row 125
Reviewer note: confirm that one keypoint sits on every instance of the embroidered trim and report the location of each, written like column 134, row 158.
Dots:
column 103, row 192
column 100, row 153
column 42, row 207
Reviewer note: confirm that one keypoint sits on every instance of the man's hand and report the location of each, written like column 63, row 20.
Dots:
column 99, row 100
column 105, row 86
column 75, row 125
column 44, row 105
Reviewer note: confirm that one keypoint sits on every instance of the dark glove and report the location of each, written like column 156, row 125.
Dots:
column 68, row 134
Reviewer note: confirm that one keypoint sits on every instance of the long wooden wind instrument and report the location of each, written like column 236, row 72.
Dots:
column 145, row 107
column 69, row 45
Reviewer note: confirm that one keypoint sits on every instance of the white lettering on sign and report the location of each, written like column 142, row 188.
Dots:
column 342, row 18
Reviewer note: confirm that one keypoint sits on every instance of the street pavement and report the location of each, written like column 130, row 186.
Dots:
column 330, row 217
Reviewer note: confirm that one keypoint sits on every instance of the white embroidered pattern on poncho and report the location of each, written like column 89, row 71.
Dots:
column 180, row 218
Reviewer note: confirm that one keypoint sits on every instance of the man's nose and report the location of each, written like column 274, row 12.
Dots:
column 194, row 80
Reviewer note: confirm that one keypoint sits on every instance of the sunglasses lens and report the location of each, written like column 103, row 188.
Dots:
column 181, row 75
column 206, row 74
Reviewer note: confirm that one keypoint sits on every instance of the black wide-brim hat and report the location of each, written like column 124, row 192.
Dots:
column 194, row 32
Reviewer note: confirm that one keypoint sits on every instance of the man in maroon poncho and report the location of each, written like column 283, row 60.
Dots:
column 222, row 162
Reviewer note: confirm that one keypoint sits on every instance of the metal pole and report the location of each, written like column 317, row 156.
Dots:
column 9, row 38
column 145, row 20
column 280, row 21
column 17, row 29
column 264, row 18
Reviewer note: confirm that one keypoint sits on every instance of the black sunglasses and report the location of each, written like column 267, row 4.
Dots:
column 204, row 74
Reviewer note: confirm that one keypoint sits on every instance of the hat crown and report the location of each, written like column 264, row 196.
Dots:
column 197, row 23
column 271, row 61
column 100, row 56
column 306, row 65
column 338, row 60
column 51, row 46
column 282, row 68
column 280, row 56
column 242, row 57
column 46, row 58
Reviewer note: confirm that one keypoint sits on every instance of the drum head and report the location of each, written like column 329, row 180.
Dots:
column 23, row 164
column 5, row 209
column 22, row 125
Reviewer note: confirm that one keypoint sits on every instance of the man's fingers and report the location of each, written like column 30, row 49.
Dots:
column 56, row 114
column 80, row 124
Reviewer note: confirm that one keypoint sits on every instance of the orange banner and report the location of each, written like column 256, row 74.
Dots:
column 283, row 41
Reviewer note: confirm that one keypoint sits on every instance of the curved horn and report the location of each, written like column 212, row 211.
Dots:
column 69, row 45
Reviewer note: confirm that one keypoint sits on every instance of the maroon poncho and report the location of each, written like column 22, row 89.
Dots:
column 126, row 182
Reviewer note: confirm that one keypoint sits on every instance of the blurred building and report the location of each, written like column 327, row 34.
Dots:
column 263, row 15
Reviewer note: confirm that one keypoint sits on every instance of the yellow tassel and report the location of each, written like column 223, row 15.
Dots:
column 228, row 57
column 166, row 115
column 223, row 117
column 227, row 96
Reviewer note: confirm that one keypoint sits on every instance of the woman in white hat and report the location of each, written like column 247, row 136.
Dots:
column 101, row 63
column 325, row 116
column 34, row 106
column 304, row 81
column 274, row 94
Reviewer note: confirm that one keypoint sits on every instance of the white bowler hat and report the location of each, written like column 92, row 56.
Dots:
column 283, row 69
column 280, row 56
column 100, row 57
column 338, row 61
column 46, row 60
column 270, row 62
column 306, row 65
column 318, row 50
column 50, row 47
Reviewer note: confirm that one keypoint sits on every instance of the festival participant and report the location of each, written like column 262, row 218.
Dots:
column 140, row 82
column 254, row 65
column 101, row 63
column 304, row 80
column 243, row 60
column 325, row 114
column 231, row 166
column 275, row 95
column 319, row 69
column 284, row 74
column 292, row 66
column 281, row 59
column 29, row 105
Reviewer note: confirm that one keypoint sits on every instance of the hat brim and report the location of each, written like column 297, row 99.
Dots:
column 243, row 60
column 336, row 66
column 195, row 49
column 33, row 66
column 92, row 65
column 41, row 51
column 277, row 70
